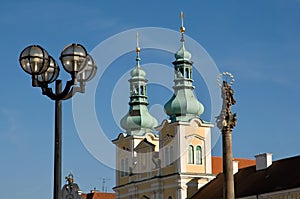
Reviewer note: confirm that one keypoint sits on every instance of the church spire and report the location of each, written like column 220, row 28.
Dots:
column 137, row 50
column 182, row 28
column 182, row 53
column 138, row 120
column 183, row 105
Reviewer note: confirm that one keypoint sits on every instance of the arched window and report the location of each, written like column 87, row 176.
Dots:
column 198, row 155
column 187, row 73
column 136, row 90
column 191, row 154
column 170, row 197
column 142, row 90
column 181, row 74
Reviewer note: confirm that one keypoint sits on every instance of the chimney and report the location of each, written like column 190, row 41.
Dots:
column 235, row 166
column 263, row 161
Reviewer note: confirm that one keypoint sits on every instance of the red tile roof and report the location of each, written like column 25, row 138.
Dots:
column 281, row 175
column 216, row 169
column 99, row 195
column 217, row 164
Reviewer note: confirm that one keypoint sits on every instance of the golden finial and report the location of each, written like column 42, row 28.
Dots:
column 137, row 49
column 182, row 28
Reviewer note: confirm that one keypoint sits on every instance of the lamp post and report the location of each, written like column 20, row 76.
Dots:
column 44, row 70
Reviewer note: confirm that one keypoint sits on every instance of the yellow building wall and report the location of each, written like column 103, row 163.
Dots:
column 171, row 180
column 194, row 135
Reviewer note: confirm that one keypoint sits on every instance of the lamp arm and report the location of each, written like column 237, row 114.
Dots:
column 48, row 91
column 68, row 92
column 80, row 89
column 57, row 96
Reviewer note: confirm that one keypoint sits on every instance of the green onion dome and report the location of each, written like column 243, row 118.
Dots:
column 139, row 119
column 183, row 54
column 183, row 106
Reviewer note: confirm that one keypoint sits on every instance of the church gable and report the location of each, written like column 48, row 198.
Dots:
column 144, row 146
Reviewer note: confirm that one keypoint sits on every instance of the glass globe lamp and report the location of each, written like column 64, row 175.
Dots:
column 34, row 60
column 89, row 70
column 73, row 58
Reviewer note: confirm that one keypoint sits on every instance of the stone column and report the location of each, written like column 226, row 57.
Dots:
column 226, row 121
column 228, row 165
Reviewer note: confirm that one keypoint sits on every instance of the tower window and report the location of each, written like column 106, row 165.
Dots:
column 144, row 162
column 142, row 90
column 198, row 155
column 181, row 70
column 126, row 167
column 191, row 154
column 131, row 90
column 171, row 154
column 176, row 73
column 187, row 73
column 167, row 160
column 122, row 168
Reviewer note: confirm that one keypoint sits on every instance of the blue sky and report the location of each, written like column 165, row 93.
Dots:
column 258, row 41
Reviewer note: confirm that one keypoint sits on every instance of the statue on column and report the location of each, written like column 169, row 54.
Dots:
column 226, row 121
column 71, row 190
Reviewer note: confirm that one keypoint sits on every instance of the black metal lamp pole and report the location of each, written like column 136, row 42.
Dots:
column 57, row 142
column 44, row 70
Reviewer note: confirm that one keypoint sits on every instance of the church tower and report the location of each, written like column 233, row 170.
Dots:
column 184, row 139
column 138, row 144
column 176, row 162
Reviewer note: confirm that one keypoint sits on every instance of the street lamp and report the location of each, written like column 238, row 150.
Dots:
column 44, row 70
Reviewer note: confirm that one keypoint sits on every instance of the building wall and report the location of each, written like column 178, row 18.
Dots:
column 175, row 177
column 284, row 194
column 181, row 135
